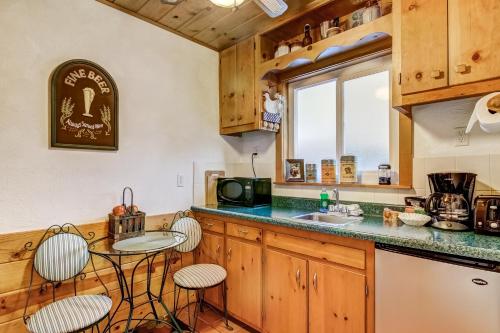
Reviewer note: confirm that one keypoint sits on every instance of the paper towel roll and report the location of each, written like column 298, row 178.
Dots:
column 489, row 120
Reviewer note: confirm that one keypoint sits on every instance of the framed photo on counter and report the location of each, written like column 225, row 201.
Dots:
column 294, row 170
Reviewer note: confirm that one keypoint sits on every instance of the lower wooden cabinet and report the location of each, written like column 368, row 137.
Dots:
column 290, row 280
column 285, row 293
column 211, row 251
column 337, row 299
column 244, row 281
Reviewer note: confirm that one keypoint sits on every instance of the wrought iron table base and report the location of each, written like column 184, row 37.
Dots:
column 127, row 291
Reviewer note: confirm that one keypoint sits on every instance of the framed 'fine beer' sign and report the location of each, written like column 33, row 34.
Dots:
column 84, row 102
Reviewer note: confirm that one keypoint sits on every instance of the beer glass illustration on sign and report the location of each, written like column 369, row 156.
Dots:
column 88, row 97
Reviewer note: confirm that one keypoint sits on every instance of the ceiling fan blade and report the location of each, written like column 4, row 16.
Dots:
column 273, row 8
column 170, row 2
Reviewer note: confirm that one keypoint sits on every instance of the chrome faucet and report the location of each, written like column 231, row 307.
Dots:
column 337, row 201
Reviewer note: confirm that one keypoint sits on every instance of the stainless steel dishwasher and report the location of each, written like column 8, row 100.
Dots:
column 425, row 292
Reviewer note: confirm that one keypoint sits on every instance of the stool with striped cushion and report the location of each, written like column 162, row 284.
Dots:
column 198, row 277
column 62, row 256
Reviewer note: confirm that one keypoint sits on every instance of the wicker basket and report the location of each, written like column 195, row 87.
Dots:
column 129, row 225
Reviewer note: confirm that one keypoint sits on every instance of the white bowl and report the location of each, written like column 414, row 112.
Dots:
column 414, row 219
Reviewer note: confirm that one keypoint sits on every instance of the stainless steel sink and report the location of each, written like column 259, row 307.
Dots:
column 328, row 218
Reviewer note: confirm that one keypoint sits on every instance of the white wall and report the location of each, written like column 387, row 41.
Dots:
column 434, row 151
column 168, row 90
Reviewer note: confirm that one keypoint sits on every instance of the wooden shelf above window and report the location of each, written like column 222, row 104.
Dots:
column 371, row 32
column 345, row 185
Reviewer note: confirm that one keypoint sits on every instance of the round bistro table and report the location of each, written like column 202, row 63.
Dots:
column 145, row 248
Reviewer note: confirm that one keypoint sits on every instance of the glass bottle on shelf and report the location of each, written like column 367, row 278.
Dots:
column 307, row 36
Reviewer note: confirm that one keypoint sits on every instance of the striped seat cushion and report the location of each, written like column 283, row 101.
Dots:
column 61, row 257
column 192, row 229
column 200, row 276
column 71, row 314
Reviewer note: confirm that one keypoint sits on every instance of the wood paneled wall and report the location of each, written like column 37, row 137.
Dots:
column 15, row 269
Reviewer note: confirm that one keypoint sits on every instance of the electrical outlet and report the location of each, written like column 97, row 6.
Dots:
column 461, row 138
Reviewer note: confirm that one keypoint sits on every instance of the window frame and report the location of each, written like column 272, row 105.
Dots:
column 341, row 75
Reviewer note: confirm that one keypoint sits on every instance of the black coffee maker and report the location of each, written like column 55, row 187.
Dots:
column 450, row 203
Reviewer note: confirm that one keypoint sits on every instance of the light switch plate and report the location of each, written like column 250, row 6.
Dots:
column 180, row 180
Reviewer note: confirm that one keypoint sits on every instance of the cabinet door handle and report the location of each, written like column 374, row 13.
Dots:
column 209, row 224
column 240, row 117
column 315, row 281
column 462, row 68
column 229, row 254
column 244, row 232
column 436, row 74
column 297, row 277
column 218, row 249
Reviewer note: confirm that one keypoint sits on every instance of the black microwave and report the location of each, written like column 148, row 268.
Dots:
column 243, row 191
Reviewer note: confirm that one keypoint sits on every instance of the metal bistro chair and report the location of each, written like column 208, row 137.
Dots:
column 62, row 255
column 197, row 277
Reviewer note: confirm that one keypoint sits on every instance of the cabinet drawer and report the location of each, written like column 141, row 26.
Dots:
column 332, row 252
column 212, row 225
column 241, row 231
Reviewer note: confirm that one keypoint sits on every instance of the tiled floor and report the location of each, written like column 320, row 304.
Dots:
column 211, row 322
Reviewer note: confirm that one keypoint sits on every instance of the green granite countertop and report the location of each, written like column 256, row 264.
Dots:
column 467, row 244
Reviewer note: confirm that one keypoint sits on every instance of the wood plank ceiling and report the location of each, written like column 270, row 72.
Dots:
column 207, row 24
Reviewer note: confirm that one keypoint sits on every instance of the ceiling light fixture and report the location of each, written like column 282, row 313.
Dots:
column 227, row 3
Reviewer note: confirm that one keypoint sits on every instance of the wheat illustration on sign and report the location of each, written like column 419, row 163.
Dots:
column 66, row 111
column 106, row 117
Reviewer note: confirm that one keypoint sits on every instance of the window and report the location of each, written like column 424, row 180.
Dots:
column 345, row 111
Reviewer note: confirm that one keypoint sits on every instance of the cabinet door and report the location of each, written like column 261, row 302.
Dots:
column 424, row 45
column 285, row 293
column 211, row 251
column 244, row 281
column 337, row 299
column 245, row 75
column 227, row 78
column 474, row 40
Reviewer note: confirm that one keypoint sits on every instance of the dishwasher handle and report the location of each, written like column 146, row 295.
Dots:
column 487, row 265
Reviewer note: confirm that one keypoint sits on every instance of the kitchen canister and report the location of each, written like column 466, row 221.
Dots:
column 348, row 169
column 384, row 174
column 328, row 172
column 311, row 173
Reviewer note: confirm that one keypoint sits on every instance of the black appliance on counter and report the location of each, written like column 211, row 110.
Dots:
column 451, row 200
column 243, row 191
column 487, row 215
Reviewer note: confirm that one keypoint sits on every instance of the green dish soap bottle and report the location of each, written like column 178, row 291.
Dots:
column 324, row 201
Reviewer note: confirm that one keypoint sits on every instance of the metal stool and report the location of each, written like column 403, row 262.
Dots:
column 198, row 277
column 60, row 256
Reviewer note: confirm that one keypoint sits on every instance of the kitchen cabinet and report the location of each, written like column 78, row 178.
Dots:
column 285, row 293
column 337, row 299
column 211, row 251
column 237, row 88
column 281, row 279
column 244, row 281
column 474, row 40
column 445, row 49
column 424, row 36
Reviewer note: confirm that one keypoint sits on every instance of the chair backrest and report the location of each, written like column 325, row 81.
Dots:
column 61, row 257
column 192, row 229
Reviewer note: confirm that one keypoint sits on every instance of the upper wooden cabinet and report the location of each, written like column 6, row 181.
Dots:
column 474, row 40
column 424, row 36
column 237, row 88
column 448, row 49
